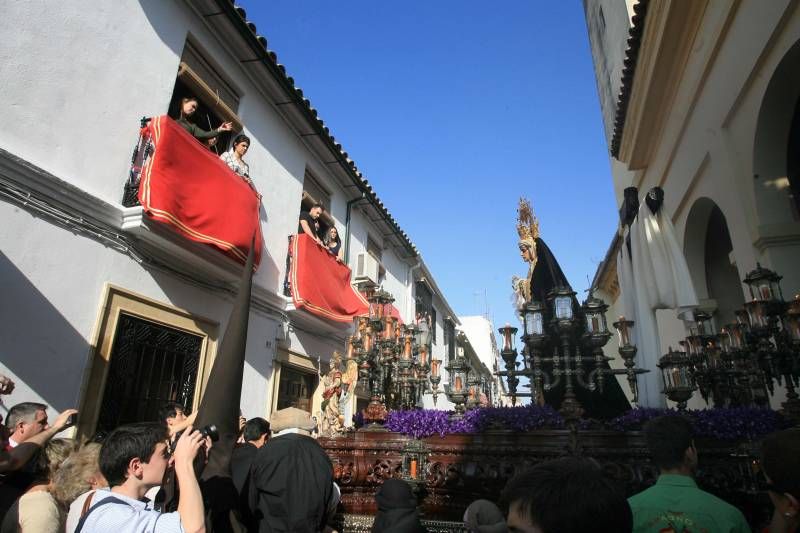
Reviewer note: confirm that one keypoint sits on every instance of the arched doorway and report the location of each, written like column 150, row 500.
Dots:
column 708, row 249
column 776, row 171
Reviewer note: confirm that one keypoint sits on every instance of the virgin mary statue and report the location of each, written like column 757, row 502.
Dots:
column 544, row 275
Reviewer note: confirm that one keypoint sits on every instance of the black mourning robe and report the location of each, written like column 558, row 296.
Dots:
column 291, row 484
column 397, row 509
column 547, row 275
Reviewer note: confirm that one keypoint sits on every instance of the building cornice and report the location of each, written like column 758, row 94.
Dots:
column 666, row 44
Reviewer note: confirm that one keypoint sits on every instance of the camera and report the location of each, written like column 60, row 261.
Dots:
column 210, row 431
column 71, row 420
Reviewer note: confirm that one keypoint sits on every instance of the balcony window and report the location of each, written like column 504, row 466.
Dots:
column 320, row 284
column 183, row 186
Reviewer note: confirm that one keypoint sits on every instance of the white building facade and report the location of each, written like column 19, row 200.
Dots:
column 92, row 286
column 705, row 105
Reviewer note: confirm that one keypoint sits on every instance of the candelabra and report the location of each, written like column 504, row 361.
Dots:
column 393, row 360
column 568, row 347
column 743, row 362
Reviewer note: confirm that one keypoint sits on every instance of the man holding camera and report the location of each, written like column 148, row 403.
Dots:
column 133, row 460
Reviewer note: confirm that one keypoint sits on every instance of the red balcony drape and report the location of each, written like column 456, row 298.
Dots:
column 321, row 285
column 190, row 188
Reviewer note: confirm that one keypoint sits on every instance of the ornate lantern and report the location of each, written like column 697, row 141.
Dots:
column 533, row 319
column 594, row 309
column 562, row 298
column 679, row 384
column 764, row 284
column 415, row 460
column 457, row 388
column 508, row 332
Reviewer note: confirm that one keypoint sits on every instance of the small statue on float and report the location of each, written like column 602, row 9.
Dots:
column 331, row 420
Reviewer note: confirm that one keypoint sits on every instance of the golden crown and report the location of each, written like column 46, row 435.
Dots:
column 527, row 223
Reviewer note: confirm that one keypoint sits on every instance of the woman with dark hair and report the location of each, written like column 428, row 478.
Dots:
column 333, row 243
column 234, row 157
column 187, row 110
column 780, row 462
column 397, row 509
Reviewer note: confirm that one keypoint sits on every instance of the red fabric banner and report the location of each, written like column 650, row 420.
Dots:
column 189, row 187
column 321, row 284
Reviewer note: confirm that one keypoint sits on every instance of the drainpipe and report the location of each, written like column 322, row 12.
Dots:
column 350, row 204
column 410, row 282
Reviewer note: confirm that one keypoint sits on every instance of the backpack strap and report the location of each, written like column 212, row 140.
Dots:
column 104, row 501
column 86, row 504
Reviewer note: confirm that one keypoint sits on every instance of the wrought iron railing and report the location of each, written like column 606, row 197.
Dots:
column 141, row 152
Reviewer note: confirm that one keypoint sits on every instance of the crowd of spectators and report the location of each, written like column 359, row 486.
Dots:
column 284, row 481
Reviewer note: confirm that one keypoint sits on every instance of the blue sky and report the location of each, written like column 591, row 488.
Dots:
column 454, row 109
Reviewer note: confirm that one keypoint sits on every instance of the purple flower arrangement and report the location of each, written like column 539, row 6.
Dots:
column 739, row 423
column 423, row 423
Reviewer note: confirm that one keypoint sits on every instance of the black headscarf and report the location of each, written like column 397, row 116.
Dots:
column 397, row 509
column 547, row 275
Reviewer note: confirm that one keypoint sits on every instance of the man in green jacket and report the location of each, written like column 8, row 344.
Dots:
column 675, row 503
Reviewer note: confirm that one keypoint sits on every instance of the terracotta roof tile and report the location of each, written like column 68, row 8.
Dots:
column 631, row 55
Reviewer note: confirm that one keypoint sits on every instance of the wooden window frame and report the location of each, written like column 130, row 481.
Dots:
column 114, row 302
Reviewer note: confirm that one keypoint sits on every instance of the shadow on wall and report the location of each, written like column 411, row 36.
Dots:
column 38, row 344
column 216, row 307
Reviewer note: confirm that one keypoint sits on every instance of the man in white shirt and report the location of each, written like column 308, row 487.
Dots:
column 133, row 460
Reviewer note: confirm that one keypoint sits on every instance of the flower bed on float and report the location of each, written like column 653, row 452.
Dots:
column 724, row 424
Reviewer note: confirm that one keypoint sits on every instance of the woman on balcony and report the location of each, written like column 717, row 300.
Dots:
column 188, row 108
column 333, row 243
column 234, row 158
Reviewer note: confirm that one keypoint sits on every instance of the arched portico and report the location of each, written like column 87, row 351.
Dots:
column 776, row 172
column 709, row 255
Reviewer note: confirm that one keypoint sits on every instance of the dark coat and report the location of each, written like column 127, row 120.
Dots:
column 291, row 484
column 397, row 509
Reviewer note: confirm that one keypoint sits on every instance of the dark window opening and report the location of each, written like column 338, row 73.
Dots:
column 150, row 364
column 296, row 388
column 217, row 100
column 424, row 306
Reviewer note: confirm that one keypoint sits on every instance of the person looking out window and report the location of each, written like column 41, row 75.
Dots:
column 188, row 108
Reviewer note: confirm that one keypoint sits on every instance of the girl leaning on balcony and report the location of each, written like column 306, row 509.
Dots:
column 188, row 108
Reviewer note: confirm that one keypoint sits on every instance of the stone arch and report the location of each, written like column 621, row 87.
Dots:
column 776, row 163
column 776, row 172
column 708, row 249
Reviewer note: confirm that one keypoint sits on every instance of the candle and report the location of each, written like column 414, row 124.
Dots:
column 407, row 348
column 595, row 324
column 423, row 355
column 388, row 331
column 765, row 292
column 367, row 340
column 435, row 367
column 458, row 383
column 507, row 342
column 349, row 348
column 413, row 468
column 624, row 336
